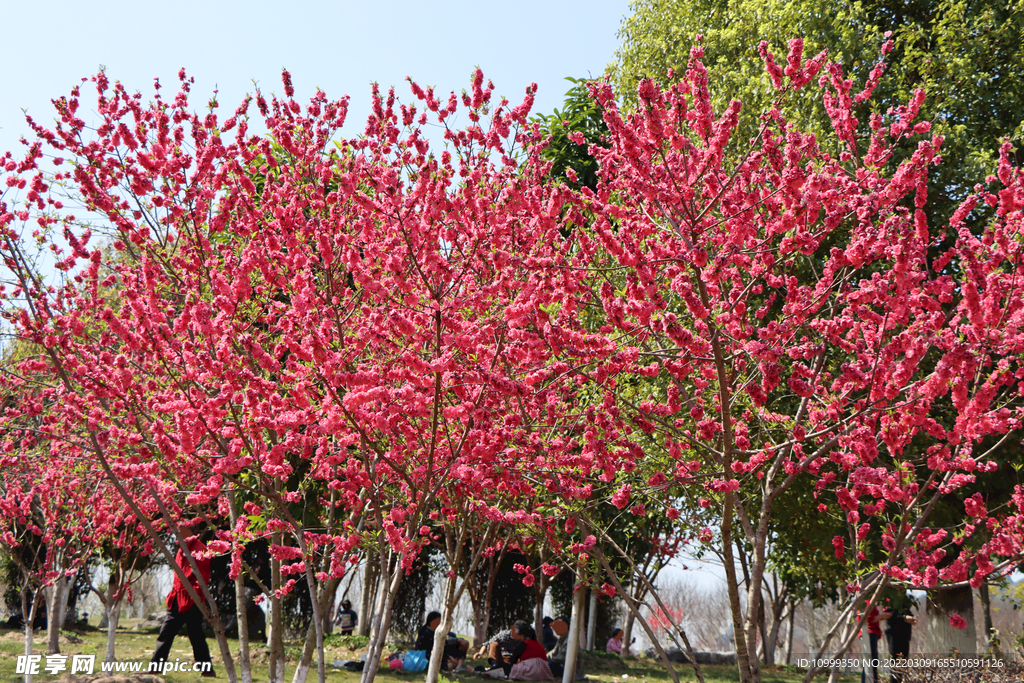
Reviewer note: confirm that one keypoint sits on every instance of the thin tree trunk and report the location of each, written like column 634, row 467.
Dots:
column 366, row 600
column 53, row 614
column 113, row 617
column 789, row 635
column 63, row 603
column 242, row 616
column 763, row 628
column 241, row 605
column 382, row 618
column 627, row 632
column 538, row 614
column 29, row 621
column 992, row 644
column 328, row 612
column 572, row 651
column 685, row 647
column 309, row 646
column 592, row 622
column 318, row 623
column 456, row 557
column 440, row 635
column 275, row 635
column 754, row 578
column 773, row 635
column 203, row 598
column 314, row 643
column 735, row 610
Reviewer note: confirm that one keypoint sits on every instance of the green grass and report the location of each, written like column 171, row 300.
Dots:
column 138, row 646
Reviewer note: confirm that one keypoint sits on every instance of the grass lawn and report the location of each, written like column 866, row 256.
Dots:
column 138, row 646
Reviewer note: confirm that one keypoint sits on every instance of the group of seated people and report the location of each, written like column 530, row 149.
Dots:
column 514, row 653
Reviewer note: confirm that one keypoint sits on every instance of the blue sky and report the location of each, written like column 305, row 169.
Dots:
column 338, row 47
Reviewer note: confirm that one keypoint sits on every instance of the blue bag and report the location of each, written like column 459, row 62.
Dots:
column 415, row 660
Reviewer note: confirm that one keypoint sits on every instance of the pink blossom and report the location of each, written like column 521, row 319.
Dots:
column 620, row 498
column 974, row 506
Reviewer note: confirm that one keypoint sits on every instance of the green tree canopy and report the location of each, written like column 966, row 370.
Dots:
column 967, row 56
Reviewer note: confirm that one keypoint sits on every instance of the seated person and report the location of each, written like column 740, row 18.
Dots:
column 498, row 649
column 425, row 636
column 549, row 639
column 614, row 644
column 529, row 662
column 454, row 654
column 455, row 651
column 556, row 657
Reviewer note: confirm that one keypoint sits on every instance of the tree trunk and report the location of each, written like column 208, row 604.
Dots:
column 203, row 597
column 992, row 644
column 382, row 617
column 755, row 599
column 58, row 595
column 434, row 668
column 63, row 603
column 778, row 605
column 28, row 613
column 735, row 609
column 627, row 632
column 308, row 648
column 241, row 606
column 314, row 643
column 241, row 614
column 940, row 638
column 538, row 609
column 572, row 651
column 275, row 636
column 113, row 616
column 789, row 635
column 592, row 622
column 366, row 600
column 476, row 600
column 318, row 622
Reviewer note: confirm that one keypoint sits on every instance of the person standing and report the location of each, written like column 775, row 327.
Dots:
column 182, row 610
column 347, row 618
column 898, row 632
column 875, row 619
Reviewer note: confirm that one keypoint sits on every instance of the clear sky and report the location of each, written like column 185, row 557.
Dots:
column 339, row 47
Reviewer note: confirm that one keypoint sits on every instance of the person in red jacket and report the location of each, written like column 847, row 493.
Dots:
column 875, row 619
column 182, row 610
column 529, row 661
